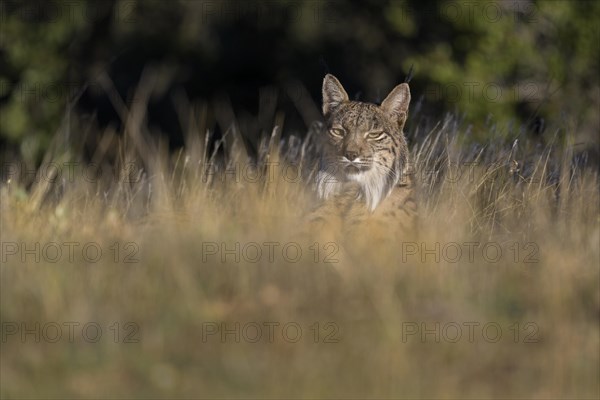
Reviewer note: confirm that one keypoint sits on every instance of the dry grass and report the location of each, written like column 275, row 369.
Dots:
column 173, row 208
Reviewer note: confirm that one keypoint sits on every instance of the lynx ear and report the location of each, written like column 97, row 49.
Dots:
column 396, row 103
column 333, row 93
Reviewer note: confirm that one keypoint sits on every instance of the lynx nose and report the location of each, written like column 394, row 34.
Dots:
column 351, row 155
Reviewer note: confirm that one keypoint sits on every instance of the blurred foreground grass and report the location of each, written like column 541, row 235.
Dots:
column 496, row 295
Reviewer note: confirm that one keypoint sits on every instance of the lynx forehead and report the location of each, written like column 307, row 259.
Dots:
column 364, row 143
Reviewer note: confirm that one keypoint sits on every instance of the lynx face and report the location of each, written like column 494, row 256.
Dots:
column 364, row 143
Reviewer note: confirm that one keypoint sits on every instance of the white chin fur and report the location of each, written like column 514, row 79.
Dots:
column 356, row 176
column 372, row 182
column 373, row 186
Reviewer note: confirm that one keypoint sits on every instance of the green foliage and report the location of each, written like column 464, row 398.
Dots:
column 513, row 61
column 534, row 59
column 34, row 45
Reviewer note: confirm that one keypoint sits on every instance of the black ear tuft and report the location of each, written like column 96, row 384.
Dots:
column 409, row 76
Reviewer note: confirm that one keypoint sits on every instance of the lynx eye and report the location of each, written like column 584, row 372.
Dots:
column 375, row 135
column 337, row 132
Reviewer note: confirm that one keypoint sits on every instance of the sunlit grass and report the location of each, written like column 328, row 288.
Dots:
column 175, row 216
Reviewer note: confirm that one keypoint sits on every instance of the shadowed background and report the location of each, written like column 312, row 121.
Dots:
column 519, row 65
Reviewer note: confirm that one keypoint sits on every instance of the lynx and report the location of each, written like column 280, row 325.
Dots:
column 364, row 173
